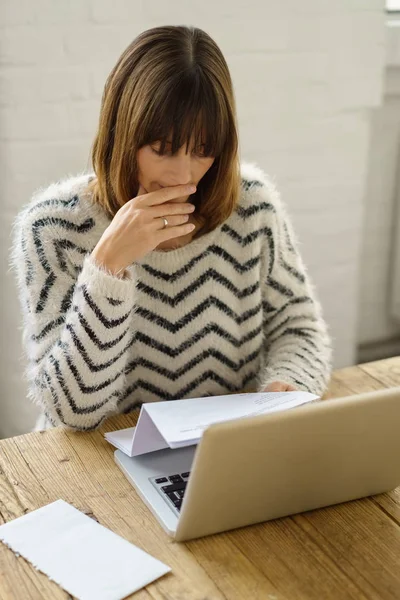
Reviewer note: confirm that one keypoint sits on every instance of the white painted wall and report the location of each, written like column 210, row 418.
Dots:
column 306, row 76
column 379, row 301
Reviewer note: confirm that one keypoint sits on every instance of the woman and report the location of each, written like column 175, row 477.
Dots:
column 170, row 271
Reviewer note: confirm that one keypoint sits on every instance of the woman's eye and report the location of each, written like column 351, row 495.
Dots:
column 156, row 148
column 200, row 151
column 156, row 151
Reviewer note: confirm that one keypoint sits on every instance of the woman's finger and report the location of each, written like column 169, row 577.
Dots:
column 176, row 208
column 169, row 233
column 172, row 220
column 163, row 195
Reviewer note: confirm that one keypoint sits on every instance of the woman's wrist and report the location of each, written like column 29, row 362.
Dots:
column 101, row 260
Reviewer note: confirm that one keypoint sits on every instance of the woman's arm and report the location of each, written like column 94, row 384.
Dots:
column 296, row 338
column 77, row 325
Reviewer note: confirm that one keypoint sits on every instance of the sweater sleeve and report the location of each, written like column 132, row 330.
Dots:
column 297, row 343
column 77, row 323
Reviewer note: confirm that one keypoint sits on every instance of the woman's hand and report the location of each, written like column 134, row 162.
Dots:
column 138, row 227
column 279, row 386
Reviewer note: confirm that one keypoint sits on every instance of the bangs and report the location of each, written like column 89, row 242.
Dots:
column 190, row 109
column 171, row 86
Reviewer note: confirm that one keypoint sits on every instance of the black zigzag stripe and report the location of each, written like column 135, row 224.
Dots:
column 56, row 403
column 271, row 246
column 76, row 409
column 300, row 330
column 288, row 239
column 188, row 389
column 173, row 277
column 292, row 302
column 91, row 334
column 28, row 264
column 240, row 268
column 310, row 353
column 239, row 319
column 67, row 299
column 289, row 319
column 288, row 365
column 294, row 377
column 251, row 376
column 249, row 183
column 39, row 360
column 38, row 382
column 114, row 302
column 299, row 276
column 94, row 368
column 215, row 249
column 37, row 226
column 250, row 211
column 88, row 389
column 44, row 292
column 295, row 347
column 49, row 418
column 48, row 327
column 108, row 323
column 193, row 287
column 300, row 383
column 302, row 333
column 60, row 246
column 198, row 310
column 199, row 336
column 245, row 240
column 307, row 360
column 131, row 407
column 267, row 307
column 279, row 287
column 194, row 362
column 69, row 203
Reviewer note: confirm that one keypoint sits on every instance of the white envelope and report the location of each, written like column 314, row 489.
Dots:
column 178, row 423
column 86, row 559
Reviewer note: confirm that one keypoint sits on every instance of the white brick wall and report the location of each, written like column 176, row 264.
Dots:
column 306, row 75
column 378, row 318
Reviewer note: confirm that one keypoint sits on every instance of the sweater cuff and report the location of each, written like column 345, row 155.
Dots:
column 100, row 282
column 272, row 375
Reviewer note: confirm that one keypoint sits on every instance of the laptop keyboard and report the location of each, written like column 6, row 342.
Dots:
column 172, row 488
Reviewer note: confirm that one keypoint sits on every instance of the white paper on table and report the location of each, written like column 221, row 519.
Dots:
column 121, row 439
column 86, row 559
column 178, row 423
column 141, row 439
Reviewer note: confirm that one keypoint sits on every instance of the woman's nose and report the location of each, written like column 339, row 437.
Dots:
column 181, row 172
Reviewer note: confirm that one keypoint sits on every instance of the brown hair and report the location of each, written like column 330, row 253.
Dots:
column 171, row 79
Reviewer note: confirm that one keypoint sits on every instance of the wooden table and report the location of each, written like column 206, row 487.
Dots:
column 347, row 551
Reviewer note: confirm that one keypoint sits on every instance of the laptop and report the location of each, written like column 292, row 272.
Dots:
column 260, row 468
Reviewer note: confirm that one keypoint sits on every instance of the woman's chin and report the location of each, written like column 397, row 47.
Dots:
column 169, row 244
column 174, row 243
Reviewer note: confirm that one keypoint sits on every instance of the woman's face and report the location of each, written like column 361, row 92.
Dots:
column 156, row 171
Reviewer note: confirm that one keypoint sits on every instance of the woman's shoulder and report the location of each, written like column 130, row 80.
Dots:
column 259, row 193
column 63, row 205
column 257, row 187
column 63, row 210
column 68, row 197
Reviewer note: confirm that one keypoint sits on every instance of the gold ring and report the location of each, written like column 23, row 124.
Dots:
column 165, row 222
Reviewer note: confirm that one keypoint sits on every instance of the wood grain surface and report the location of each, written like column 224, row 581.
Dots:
column 348, row 551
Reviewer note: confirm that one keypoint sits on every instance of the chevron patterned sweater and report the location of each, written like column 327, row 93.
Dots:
column 229, row 312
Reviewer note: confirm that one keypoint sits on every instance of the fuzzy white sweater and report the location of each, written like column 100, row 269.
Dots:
column 229, row 312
